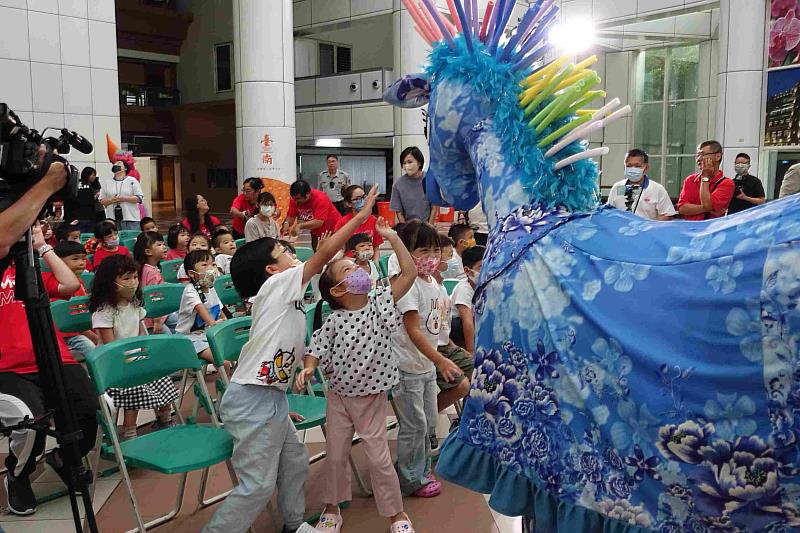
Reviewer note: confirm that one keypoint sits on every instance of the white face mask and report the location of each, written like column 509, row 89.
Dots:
column 267, row 210
column 742, row 169
column 411, row 168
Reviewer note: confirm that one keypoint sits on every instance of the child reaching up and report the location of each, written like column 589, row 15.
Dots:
column 266, row 452
column 418, row 359
column 360, row 247
column 353, row 348
column 178, row 242
column 225, row 246
column 117, row 313
column 148, row 252
column 200, row 306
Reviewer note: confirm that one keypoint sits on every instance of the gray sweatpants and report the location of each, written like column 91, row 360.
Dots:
column 414, row 400
column 266, row 454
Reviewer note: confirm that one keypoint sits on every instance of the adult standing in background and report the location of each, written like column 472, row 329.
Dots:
column 791, row 181
column 121, row 198
column 408, row 192
column 85, row 209
column 749, row 190
column 707, row 193
column 637, row 193
column 309, row 209
column 245, row 205
column 333, row 182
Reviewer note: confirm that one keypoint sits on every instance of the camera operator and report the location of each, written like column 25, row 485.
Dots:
column 749, row 191
column 21, row 387
column 637, row 193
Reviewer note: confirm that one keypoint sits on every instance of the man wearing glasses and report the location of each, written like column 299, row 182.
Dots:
column 706, row 194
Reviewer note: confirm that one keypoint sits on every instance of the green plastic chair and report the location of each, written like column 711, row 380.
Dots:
column 85, row 237
column 310, row 310
column 169, row 270
column 449, row 285
column 227, row 293
column 88, row 279
column 304, row 253
column 73, row 315
column 129, row 243
column 125, row 234
column 43, row 265
column 139, row 360
column 240, row 242
column 383, row 263
column 163, row 299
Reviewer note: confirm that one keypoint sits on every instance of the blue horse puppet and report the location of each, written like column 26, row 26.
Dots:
column 630, row 376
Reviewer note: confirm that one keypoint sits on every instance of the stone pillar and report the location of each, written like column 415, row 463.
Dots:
column 264, row 82
column 741, row 83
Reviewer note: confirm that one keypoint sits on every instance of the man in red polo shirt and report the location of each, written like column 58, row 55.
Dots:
column 706, row 194
column 312, row 209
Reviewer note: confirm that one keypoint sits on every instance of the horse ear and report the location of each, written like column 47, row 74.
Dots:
column 409, row 92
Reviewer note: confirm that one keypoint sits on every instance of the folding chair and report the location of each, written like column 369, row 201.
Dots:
column 162, row 300
column 449, row 285
column 320, row 388
column 227, row 293
column 177, row 450
column 88, row 279
column 226, row 341
column 85, row 237
column 169, row 270
column 129, row 243
column 240, row 242
column 125, row 234
column 383, row 263
column 72, row 316
column 304, row 253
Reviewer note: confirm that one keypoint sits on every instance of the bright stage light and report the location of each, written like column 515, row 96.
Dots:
column 572, row 37
column 329, row 143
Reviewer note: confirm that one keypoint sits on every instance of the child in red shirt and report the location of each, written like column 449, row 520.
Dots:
column 106, row 234
column 178, row 242
column 354, row 200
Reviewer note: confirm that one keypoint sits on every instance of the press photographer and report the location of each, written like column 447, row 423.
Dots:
column 38, row 375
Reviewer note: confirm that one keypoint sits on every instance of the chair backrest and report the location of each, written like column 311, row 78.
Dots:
column 43, row 266
column 449, row 285
column 227, row 338
column 88, row 279
column 169, row 270
column 73, row 315
column 139, row 360
column 304, row 253
column 125, row 234
column 311, row 310
column 240, row 242
column 227, row 293
column 129, row 243
column 85, row 237
column 163, row 299
column 383, row 263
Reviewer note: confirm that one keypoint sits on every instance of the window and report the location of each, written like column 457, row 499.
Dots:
column 672, row 114
column 222, row 67
column 334, row 58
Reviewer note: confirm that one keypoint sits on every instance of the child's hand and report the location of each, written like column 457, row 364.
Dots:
column 324, row 237
column 369, row 203
column 449, row 370
column 296, row 417
column 302, row 377
column 37, row 236
column 384, row 229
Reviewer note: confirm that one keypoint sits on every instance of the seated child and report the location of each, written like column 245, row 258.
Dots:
column 47, row 231
column 148, row 252
column 225, row 246
column 108, row 243
column 68, row 232
column 254, row 408
column 198, row 241
column 178, row 242
column 200, row 306
column 148, row 224
column 117, row 313
column 359, row 246
column 463, row 328
column 463, row 238
column 263, row 223
column 353, row 347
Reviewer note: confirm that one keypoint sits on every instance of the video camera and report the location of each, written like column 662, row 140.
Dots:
column 22, row 163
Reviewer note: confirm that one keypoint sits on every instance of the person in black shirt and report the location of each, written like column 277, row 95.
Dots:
column 85, row 210
column 749, row 190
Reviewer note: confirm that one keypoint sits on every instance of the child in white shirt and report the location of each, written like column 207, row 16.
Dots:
column 200, row 306
column 266, row 452
column 225, row 246
column 463, row 321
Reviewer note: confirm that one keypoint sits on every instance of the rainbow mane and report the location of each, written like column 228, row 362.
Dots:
column 539, row 105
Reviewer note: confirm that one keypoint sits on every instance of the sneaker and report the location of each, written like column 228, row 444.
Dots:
column 329, row 523
column 21, row 499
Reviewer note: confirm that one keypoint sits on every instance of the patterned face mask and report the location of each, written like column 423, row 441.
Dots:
column 356, row 282
column 207, row 278
column 427, row 265
column 365, row 255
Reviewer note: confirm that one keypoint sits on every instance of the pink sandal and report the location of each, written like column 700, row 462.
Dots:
column 401, row 526
column 429, row 490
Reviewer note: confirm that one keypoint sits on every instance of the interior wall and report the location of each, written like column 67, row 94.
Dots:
column 371, row 41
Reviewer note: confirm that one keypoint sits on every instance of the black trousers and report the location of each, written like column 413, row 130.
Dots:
column 24, row 396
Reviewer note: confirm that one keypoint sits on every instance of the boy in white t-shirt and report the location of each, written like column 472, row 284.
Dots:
column 266, row 452
column 225, row 246
column 200, row 306
column 463, row 321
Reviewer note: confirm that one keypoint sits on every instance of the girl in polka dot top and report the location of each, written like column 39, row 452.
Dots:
column 353, row 349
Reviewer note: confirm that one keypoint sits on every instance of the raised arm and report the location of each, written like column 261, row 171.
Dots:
column 408, row 270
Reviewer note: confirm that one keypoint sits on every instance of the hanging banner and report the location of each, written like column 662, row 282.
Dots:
column 784, row 33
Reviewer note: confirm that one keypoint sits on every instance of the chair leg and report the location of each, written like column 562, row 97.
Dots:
column 170, row 515
column 201, row 492
column 184, row 383
column 94, row 467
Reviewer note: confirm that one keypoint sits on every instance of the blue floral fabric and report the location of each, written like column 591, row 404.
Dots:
column 652, row 375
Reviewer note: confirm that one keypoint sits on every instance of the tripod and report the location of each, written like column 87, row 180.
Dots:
column 30, row 290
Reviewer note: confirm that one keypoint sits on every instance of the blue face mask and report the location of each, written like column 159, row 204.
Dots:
column 633, row 174
column 359, row 204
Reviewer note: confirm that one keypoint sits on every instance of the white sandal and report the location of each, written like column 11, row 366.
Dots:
column 401, row 526
column 329, row 523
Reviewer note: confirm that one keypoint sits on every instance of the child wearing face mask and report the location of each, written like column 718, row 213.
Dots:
column 354, row 197
column 359, row 247
column 463, row 238
column 117, row 313
column 263, row 224
column 225, row 246
column 463, row 321
column 198, row 241
column 200, row 306
column 353, row 349
column 418, row 359
column 108, row 243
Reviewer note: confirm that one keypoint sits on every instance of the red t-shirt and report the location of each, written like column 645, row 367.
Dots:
column 102, row 253
column 318, row 207
column 367, row 227
column 722, row 190
column 175, row 254
column 242, row 205
column 16, row 348
column 202, row 229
